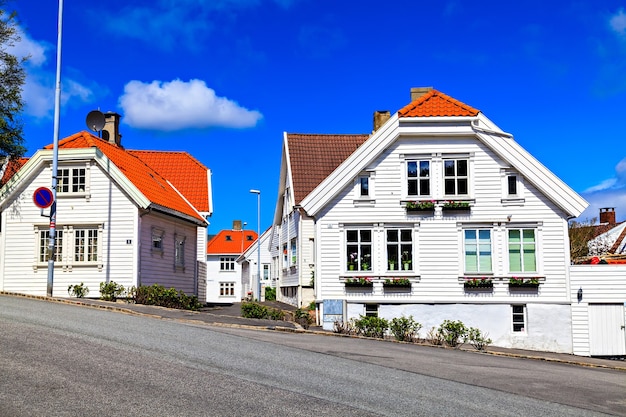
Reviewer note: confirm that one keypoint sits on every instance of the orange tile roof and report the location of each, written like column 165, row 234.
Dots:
column 313, row 157
column 436, row 104
column 13, row 166
column 151, row 184
column 231, row 242
column 188, row 175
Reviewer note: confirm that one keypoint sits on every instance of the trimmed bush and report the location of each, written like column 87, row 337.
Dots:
column 270, row 294
column 254, row 310
column 158, row 295
column 404, row 329
column 453, row 333
column 111, row 291
column 370, row 326
column 78, row 290
column 477, row 338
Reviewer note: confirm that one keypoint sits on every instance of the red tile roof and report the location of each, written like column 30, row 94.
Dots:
column 231, row 242
column 12, row 167
column 436, row 104
column 313, row 157
column 188, row 175
column 151, row 184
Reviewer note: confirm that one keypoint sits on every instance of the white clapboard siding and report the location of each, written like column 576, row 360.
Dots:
column 158, row 267
column 104, row 206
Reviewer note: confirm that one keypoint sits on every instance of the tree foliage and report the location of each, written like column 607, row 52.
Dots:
column 580, row 233
column 12, row 78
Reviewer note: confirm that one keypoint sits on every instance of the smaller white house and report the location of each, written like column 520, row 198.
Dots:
column 223, row 271
column 249, row 270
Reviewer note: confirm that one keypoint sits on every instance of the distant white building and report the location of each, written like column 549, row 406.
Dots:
column 249, row 269
column 224, row 284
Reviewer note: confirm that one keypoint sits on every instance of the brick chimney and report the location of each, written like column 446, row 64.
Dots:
column 111, row 130
column 380, row 117
column 417, row 92
column 607, row 215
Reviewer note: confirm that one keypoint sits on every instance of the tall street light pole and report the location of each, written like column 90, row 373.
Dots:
column 258, row 241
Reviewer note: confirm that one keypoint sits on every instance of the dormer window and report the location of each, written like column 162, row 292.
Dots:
column 249, row 238
column 229, row 238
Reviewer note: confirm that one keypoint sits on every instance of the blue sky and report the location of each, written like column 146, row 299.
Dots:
column 223, row 79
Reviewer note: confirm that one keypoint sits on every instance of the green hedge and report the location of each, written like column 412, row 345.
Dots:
column 158, row 295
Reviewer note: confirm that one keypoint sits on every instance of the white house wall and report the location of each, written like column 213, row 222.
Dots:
column 106, row 206
column 438, row 259
column 215, row 276
column 157, row 267
column 600, row 284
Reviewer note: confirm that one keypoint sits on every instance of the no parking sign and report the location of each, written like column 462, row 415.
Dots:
column 43, row 197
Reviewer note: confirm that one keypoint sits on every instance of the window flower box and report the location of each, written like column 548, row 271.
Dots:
column 528, row 283
column 472, row 283
column 450, row 205
column 359, row 282
column 397, row 283
column 417, row 206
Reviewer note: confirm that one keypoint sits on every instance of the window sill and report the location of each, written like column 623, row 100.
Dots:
column 364, row 202
column 513, row 201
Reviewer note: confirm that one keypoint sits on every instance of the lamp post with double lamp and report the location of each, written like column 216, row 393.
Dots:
column 258, row 241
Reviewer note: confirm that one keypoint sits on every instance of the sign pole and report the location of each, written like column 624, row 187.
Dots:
column 55, row 156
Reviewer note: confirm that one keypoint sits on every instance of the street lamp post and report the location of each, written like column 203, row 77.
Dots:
column 258, row 241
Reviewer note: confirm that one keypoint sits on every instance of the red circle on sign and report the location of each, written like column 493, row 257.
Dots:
column 43, row 197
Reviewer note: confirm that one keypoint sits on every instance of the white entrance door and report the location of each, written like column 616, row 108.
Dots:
column 606, row 330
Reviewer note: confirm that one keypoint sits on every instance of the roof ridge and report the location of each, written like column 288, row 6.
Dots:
column 432, row 109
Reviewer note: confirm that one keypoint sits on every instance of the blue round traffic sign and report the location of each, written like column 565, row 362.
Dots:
column 43, row 197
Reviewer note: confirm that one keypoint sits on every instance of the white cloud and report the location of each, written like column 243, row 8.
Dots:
column 618, row 22
column 38, row 90
column 178, row 105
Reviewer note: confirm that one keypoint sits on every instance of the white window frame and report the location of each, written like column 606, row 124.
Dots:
column 85, row 249
column 67, row 184
column 293, row 252
column 156, row 243
column 477, row 229
column 456, row 177
column 227, row 263
column 517, row 315
column 267, row 271
column 69, row 255
column 401, row 245
column 518, row 197
column 179, row 251
column 521, row 229
column 44, row 242
column 227, row 289
column 418, row 178
column 361, row 256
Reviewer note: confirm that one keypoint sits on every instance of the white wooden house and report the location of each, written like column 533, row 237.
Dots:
column 224, row 272
column 440, row 196
column 250, row 272
column 118, row 219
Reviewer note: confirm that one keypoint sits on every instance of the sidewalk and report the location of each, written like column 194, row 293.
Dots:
column 230, row 316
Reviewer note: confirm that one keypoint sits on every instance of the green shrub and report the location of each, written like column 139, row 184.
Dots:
column 452, row 332
column 111, row 291
column 253, row 310
column 371, row 326
column 78, row 290
column 158, row 295
column 404, row 329
column 270, row 294
column 303, row 318
column 477, row 339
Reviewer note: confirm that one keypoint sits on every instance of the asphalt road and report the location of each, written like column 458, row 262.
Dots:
column 65, row 360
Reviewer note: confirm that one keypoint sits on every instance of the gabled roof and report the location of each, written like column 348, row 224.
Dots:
column 185, row 172
column 437, row 104
column 438, row 115
column 151, row 184
column 313, row 157
column 230, row 242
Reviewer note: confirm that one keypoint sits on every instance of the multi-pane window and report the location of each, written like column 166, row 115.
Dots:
column 227, row 263
column 477, row 244
column 418, row 178
column 399, row 249
column 266, row 271
column 519, row 318
column 359, row 249
column 71, row 180
column 455, row 177
column 85, row 245
column 227, row 289
column 371, row 310
column 44, row 240
column 179, row 251
column 522, row 250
